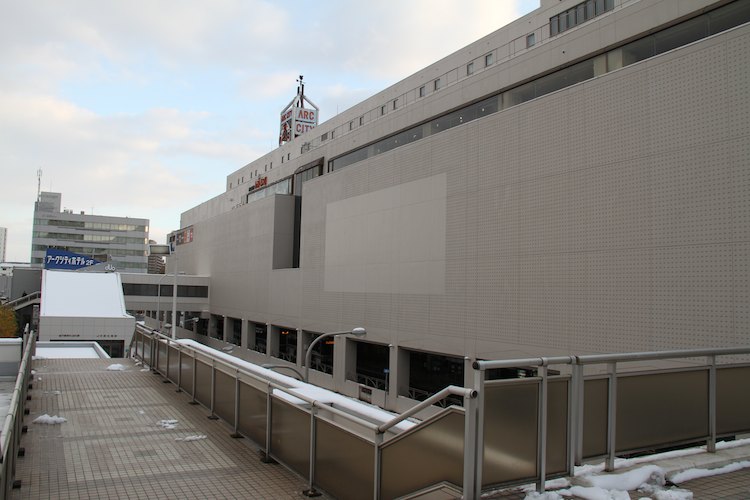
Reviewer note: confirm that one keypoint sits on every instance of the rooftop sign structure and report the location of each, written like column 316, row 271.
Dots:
column 296, row 119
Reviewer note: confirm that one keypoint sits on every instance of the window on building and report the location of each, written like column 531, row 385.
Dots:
column 436, row 84
column 395, row 103
column 361, row 120
column 530, row 40
column 382, row 110
column 489, row 59
column 351, row 125
column 579, row 14
column 470, row 69
column 422, row 91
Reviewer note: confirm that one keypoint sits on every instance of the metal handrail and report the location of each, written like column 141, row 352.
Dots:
column 438, row 396
column 10, row 438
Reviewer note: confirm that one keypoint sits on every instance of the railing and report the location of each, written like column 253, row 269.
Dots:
column 289, row 426
column 508, row 432
column 708, row 400
column 10, row 439
column 21, row 302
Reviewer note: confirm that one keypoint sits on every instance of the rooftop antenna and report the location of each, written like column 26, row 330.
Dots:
column 301, row 90
column 39, row 184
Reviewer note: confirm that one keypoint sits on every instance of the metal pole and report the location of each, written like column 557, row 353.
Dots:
column 711, row 444
column 377, row 474
column 269, row 415
column 479, row 385
column 541, row 458
column 195, row 369
column 174, row 300
column 236, row 433
column 611, row 417
column 575, row 414
column 470, row 446
column 212, row 416
column 179, row 369
column 311, row 491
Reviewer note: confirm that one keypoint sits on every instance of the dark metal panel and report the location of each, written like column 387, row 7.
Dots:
column 290, row 439
column 510, row 432
column 732, row 401
column 659, row 409
column 344, row 462
column 557, row 426
column 162, row 359
column 203, row 383
column 425, row 456
column 173, row 364
column 147, row 350
column 186, row 372
column 253, row 414
column 224, row 396
column 595, row 417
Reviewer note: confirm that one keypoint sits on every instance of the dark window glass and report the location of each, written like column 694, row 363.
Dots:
column 681, row 34
column 728, row 16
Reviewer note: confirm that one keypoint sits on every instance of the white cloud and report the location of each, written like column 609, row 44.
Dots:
column 143, row 108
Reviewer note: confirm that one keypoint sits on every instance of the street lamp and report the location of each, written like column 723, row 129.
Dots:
column 271, row 366
column 168, row 250
column 357, row 332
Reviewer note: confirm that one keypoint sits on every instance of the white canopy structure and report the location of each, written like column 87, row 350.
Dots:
column 85, row 307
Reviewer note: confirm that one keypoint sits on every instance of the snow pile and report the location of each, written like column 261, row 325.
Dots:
column 648, row 480
column 145, row 370
column 56, row 393
column 689, row 474
column 630, row 480
column 191, row 438
column 117, row 367
column 49, row 420
column 167, row 424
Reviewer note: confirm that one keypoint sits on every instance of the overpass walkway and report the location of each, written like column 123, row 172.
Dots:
column 129, row 435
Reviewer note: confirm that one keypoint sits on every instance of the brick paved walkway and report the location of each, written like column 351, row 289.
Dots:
column 112, row 447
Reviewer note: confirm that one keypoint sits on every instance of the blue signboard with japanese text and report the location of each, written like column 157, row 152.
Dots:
column 60, row 259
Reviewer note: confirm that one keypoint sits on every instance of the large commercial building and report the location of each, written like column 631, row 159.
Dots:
column 575, row 182
column 122, row 241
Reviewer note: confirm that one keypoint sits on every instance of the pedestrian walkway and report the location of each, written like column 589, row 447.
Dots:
column 130, row 435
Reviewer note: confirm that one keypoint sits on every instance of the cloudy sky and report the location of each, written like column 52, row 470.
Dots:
column 141, row 108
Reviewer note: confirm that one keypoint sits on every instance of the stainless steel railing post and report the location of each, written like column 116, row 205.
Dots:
column 541, row 459
column 611, row 416
column 711, row 444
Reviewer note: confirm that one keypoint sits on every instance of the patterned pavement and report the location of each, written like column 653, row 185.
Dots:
column 112, row 445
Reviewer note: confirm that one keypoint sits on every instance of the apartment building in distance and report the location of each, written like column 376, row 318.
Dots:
column 576, row 182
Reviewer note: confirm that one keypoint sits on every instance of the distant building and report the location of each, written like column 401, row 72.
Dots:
column 3, row 242
column 119, row 240
column 156, row 263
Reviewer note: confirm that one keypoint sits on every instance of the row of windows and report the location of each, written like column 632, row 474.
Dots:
column 152, row 290
column 284, row 186
column 713, row 22
column 99, row 226
column 97, row 253
column 578, row 15
column 123, row 240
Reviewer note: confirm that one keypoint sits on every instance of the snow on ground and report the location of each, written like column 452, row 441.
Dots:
column 117, row 367
column 197, row 437
column 65, row 353
column 689, row 474
column 49, row 420
column 167, row 424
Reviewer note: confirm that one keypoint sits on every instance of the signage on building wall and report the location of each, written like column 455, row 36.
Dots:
column 60, row 259
column 182, row 236
column 263, row 181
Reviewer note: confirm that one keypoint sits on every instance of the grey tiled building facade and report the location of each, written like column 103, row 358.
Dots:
column 576, row 182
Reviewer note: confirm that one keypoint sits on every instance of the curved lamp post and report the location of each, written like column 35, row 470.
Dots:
column 271, row 366
column 357, row 332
